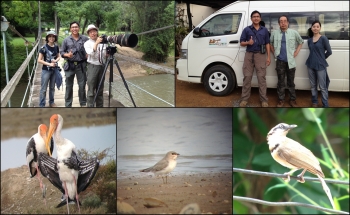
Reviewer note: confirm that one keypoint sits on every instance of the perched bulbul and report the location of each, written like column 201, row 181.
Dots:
column 293, row 155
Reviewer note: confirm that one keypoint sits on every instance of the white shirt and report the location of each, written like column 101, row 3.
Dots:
column 93, row 56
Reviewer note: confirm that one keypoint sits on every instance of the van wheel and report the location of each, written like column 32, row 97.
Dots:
column 219, row 80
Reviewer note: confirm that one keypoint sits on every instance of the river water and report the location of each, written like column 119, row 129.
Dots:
column 161, row 85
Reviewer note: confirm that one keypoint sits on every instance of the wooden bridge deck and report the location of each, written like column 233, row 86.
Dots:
column 60, row 94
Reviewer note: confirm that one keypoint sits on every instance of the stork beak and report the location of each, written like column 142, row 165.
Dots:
column 43, row 134
column 52, row 128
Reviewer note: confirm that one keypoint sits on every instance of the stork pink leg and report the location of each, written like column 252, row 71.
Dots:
column 66, row 195
column 76, row 194
column 41, row 183
column 38, row 174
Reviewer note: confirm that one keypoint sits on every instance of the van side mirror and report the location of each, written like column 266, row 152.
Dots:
column 196, row 32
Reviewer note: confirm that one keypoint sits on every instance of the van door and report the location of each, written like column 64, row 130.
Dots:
column 218, row 41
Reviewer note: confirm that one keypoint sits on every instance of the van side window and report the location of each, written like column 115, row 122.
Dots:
column 335, row 24
column 346, row 25
column 222, row 24
column 301, row 22
column 331, row 25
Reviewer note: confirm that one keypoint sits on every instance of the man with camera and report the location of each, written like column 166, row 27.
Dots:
column 49, row 55
column 256, row 38
column 74, row 53
column 96, row 53
column 283, row 44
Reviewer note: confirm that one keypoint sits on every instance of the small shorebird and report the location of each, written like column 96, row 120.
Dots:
column 164, row 166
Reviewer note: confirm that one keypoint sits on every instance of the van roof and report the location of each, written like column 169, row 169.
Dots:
column 292, row 6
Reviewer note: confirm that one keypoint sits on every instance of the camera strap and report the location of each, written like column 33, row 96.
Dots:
column 48, row 55
column 255, row 35
column 75, row 42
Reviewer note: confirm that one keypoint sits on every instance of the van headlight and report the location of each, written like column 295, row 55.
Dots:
column 183, row 54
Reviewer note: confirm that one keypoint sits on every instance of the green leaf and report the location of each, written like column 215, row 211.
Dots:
column 277, row 186
column 309, row 116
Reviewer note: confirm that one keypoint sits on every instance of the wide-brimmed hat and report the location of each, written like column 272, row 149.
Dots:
column 51, row 33
column 91, row 27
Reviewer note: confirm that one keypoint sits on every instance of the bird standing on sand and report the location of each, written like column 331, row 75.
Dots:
column 35, row 145
column 164, row 166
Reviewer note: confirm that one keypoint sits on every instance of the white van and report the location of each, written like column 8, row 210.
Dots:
column 211, row 54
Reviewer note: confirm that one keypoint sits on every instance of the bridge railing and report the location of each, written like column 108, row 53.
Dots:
column 7, row 92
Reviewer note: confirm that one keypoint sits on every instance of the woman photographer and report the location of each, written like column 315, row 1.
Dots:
column 49, row 55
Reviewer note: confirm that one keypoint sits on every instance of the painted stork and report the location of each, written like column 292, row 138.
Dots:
column 70, row 174
column 37, row 144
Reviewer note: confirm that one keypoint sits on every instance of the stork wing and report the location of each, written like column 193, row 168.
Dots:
column 304, row 159
column 48, row 168
column 87, row 171
column 31, row 156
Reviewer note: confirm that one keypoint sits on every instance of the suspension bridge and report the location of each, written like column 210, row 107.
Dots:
column 32, row 91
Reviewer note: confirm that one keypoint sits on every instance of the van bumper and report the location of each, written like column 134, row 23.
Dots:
column 182, row 73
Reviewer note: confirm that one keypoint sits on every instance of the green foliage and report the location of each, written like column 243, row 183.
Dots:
column 21, row 13
column 315, row 128
column 152, row 15
column 16, row 46
column 92, row 201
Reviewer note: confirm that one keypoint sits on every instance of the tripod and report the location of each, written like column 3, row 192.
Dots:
column 110, row 62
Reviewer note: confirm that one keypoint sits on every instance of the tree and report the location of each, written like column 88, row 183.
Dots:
column 23, row 15
column 152, row 15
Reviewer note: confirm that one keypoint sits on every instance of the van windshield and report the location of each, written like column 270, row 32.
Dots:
column 221, row 24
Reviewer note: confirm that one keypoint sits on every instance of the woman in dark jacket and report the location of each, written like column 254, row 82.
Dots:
column 317, row 65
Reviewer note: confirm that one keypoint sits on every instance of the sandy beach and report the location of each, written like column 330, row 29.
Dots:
column 211, row 191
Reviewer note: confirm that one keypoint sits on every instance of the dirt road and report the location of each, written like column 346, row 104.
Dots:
column 194, row 95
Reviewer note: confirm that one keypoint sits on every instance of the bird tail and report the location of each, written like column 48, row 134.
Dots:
column 327, row 191
column 146, row 170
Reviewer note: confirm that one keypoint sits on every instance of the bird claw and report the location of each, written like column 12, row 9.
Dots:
column 301, row 180
column 287, row 179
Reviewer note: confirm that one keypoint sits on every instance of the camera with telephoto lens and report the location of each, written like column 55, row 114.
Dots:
column 52, row 68
column 128, row 40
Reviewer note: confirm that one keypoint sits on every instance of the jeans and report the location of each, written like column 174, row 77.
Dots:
column 322, row 79
column 46, row 76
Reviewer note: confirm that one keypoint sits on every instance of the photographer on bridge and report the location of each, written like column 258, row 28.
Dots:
column 73, row 51
column 49, row 55
column 96, row 56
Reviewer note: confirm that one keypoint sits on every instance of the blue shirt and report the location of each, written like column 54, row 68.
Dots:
column 319, row 52
column 283, row 53
column 260, row 37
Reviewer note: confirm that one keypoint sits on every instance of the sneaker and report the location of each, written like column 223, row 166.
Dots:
column 293, row 103
column 243, row 103
column 314, row 105
column 280, row 103
column 53, row 105
column 83, row 105
column 264, row 104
